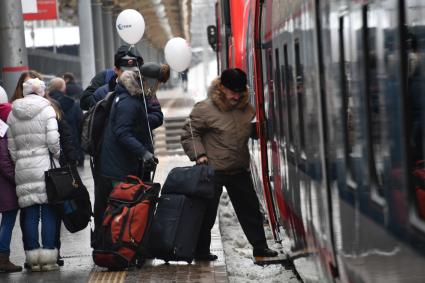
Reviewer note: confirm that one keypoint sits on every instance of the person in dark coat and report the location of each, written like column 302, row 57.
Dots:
column 8, row 201
column 127, row 146
column 127, row 137
column 73, row 90
column 217, row 133
column 72, row 113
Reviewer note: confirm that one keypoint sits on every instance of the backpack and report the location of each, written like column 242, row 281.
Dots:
column 122, row 240
column 94, row 123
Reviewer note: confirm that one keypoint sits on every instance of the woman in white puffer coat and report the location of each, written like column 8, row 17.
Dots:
column 32, row 135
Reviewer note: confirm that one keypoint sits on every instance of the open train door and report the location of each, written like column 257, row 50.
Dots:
column 262, row 110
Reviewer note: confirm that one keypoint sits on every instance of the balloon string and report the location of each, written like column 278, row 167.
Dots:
column 144, row 99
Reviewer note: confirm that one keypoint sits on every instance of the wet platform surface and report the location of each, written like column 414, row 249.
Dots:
column 79, row 266
column 159, row 271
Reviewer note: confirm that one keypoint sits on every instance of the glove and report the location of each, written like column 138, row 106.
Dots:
column 149, row 159
column 203, row 159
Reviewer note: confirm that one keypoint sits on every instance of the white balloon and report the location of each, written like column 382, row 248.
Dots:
column 178, row 54
column 130, row 26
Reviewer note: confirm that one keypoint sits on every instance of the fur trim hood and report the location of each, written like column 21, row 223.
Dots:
column 217, row 97
column 130, row 80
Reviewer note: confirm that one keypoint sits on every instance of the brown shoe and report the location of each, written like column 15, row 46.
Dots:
column 7, row 266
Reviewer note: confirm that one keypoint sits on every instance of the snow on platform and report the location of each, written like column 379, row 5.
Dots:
column 238, row 252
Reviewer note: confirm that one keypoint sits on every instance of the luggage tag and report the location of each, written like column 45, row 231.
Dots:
column 3, row 128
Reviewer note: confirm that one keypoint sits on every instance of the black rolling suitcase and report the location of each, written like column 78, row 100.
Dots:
column 176, row 226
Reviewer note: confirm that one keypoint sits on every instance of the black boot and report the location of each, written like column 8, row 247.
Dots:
column 60, row 261
column 264, row 252
column 206, row 257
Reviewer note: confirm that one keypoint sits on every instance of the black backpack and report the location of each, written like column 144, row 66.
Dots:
column 94, row 123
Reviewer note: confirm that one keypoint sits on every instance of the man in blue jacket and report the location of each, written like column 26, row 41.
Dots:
column 127, row 147
column 125, row 59
column 128, row 142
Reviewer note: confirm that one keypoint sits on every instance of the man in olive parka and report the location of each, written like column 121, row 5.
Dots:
column 217, row 133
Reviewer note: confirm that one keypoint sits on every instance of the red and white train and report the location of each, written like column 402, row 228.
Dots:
column 339, row 89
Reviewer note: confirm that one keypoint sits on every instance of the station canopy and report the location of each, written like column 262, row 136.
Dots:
column 164, row 19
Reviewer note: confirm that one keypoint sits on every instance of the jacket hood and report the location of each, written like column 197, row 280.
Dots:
column 28, row 107
column 65, row 102
column 217, row 97
column 5, row 109
column 130, row 81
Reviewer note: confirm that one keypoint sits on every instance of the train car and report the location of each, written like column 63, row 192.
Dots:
column 339, row 89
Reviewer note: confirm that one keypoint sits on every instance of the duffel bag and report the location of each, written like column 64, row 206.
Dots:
column 132, row 190
column 197, row 181
column 124, row 235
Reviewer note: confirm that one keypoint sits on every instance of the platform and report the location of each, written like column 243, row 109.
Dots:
column 79, row 266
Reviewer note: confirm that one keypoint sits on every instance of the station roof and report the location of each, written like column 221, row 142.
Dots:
column 164, row 19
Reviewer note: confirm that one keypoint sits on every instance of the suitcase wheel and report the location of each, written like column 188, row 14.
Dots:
column 140, row 263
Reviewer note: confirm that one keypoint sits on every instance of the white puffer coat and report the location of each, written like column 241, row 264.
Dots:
column 33, row 133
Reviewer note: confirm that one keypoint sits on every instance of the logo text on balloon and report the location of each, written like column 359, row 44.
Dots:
column 121, row 26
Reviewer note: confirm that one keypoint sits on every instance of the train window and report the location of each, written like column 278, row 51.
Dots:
column 278, row 95
column 250, row 63
column 287, row 75
column 269, row 96
column 415, row 77
column 346, row 113
column 226, row 13
column 300, row 93
column 375, row 104
column 351, row 112
column 224, row 30
column 349, row 104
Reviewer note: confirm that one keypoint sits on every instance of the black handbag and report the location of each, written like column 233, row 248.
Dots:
column 76, row 212
column 61, row 183
column 68, row 195
column 197, row 180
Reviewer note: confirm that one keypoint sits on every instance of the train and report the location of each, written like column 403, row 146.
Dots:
column 339, row 90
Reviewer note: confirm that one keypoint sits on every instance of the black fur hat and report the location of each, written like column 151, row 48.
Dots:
column 234, row 79
column 123, row 53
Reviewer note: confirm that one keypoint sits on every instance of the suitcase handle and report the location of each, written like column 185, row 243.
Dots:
column 130, row 178
column 139, row 181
